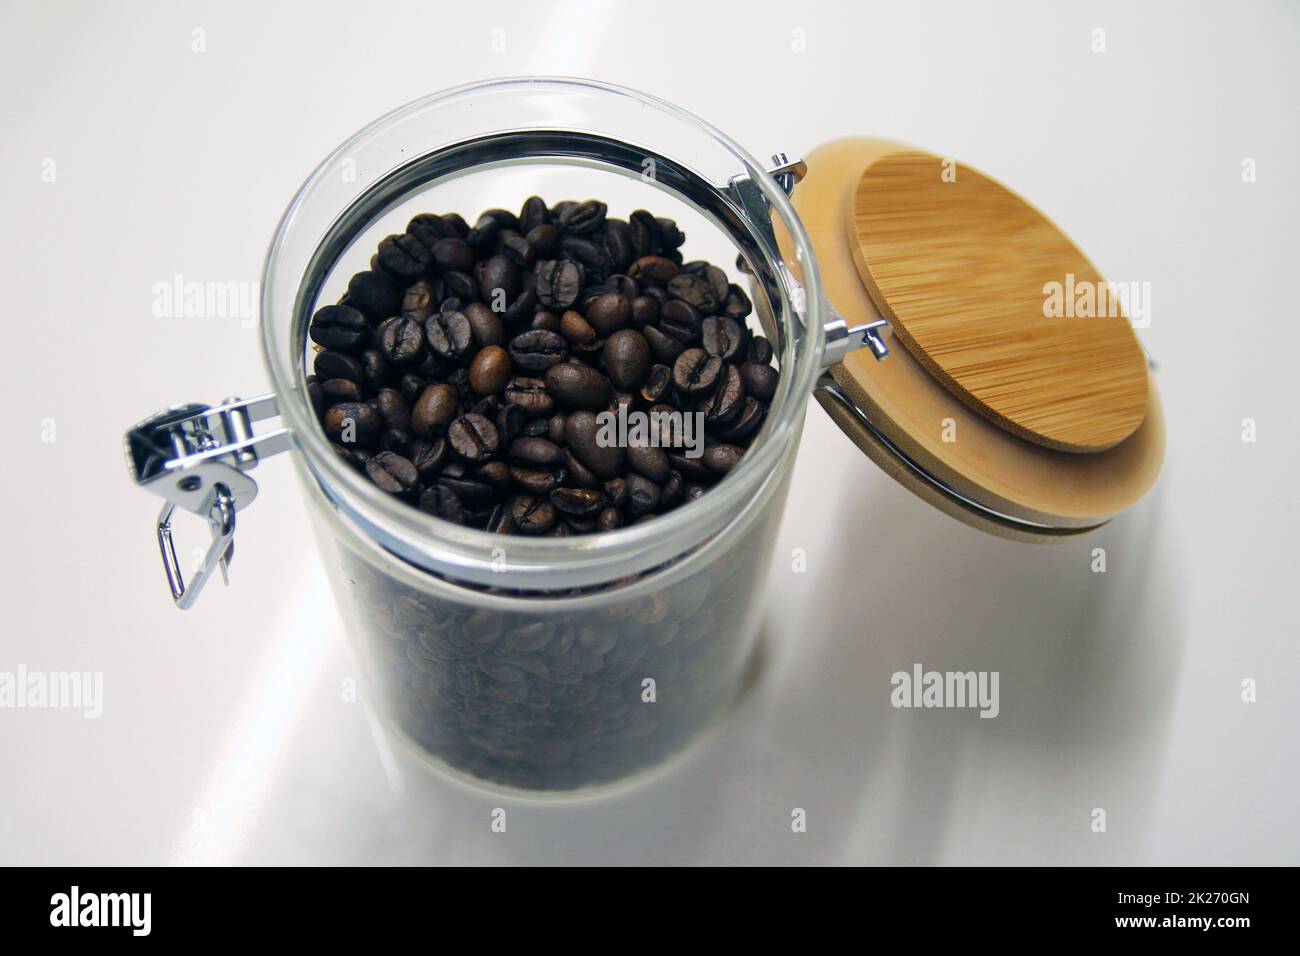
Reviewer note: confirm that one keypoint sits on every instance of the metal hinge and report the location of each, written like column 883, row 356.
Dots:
column 197, row 457
column 841, row 338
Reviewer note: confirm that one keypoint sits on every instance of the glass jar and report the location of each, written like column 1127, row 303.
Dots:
column 556, row 664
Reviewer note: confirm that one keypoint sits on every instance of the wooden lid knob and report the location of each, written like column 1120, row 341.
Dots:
column 965, row 269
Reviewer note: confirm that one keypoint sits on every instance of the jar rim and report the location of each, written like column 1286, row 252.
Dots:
column 547, row 563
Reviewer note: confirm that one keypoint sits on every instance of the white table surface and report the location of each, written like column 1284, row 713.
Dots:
column 224, row 737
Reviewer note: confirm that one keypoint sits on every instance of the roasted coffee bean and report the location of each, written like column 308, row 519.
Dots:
column 537, row 350
column 402, row 341
column 483, row 237
column 583, row 434
column 674, row 491
column 511, row 421
column 420, row 301
column 643, row 495
column 577, row 330
column 721, row 458
column 616, row 492
column 578, row 386
column 533, row 214
column 316, row 395
column 760, row 380
column 609, row 519
column 329, row 365
column 645, row 311
column 695, row 290
column 655, row 270
column 531, row 395
column 670, row 237
column 760, row 351
column 341, row 390
column 696, row 371
column 583, row 218
column 374, row 294
column 462, row 285
column 441, row 502
column 617, row 243
column 658, row 384
column 404, row 256
column 436, row 407
column 473, row 438
column 627, row 358
column 596, row 263
column 723, row 338
column 394, row 409
column 428, row 456
column 449, row 336
column 490, row 370
column 559, row 281
column 681, row 320
column 578, row 502
column 499, row 280
column 485, row 325
column 453, row 255
column 473, row 493
column 692, row 469
column 429, row 228
column 535, row 481
column 532, row 515
column 338, row 327
column 392, row 473
column 649, row 461
column 746, row 423
column 496, row 474
column 736, row 305
column 504, row 217
column 546, row 322
column 536, row 452
column 377, row 371
column 354, row 422
column 726, row 401
column 666, row 348
column 555, row 428
column 544, row 239
column 518, row 251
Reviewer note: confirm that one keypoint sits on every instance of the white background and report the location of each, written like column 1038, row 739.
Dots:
column 224, row 736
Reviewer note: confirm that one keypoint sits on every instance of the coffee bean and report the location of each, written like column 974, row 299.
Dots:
column 429, row 456
column 723, row 338
column 404, row 256
column 420, row 301
column 655, row 270
column 694, row 290
column 627, row 358
column 462, row 285
column 577, row 330
column 645, row 311
column 338, row 327
column 584, row 217
column 658, row 384
column 537, row 350
column 737, row 305
column 377, row 371
column 760, row 351
column 643, row 495
column 696, row 371
column 760, row 380
column 726, row 401
column 374, row 294
column 578, row 386
column 681, row 320
column 536, row 452
column 580, row 502
column 536, row 481
column 544, row 240
column 499, row 280
column 485, row 325
column 721, row 458
column 453, row 255
column 402, row 341
column 394, row 409
column 339, row 365
column 532, row 515
column 490, row 370
column 558, row 283
column 746, row 423
column 441, row 502
column 666, row 348
column 511, row 421
column 583, row 434
column 533, row 214
column 545, row 321
column 609, row 519
column 354, row 422
column 650, row 462
column 531, row 395
column 473, row 438
column 392, row 473
column 434, row 409
column 449, row 336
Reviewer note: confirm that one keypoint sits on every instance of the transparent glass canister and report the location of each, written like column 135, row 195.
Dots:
column 546, row 663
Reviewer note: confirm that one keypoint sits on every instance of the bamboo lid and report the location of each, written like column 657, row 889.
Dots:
column 980, row 467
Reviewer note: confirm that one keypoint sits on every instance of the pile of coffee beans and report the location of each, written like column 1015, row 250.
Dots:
column 466, row 370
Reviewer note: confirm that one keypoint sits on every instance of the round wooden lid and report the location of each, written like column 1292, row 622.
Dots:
column 997, row 303
column 900, row 414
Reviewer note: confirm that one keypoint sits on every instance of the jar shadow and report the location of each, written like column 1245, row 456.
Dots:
column 1085, row 683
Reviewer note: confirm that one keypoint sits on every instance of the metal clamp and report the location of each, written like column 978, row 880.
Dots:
column 197, row 457
column 841, row 338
